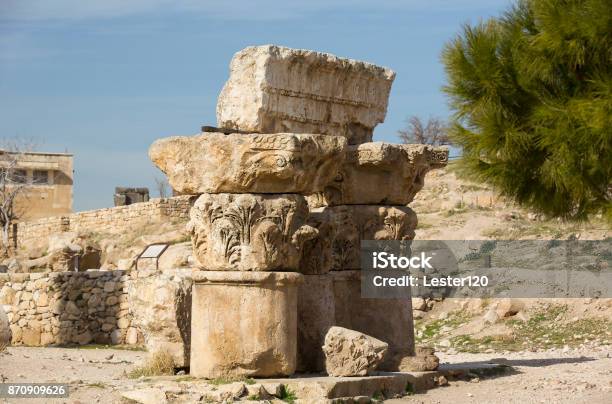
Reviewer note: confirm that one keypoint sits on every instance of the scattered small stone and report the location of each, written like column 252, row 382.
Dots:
column 441, row 381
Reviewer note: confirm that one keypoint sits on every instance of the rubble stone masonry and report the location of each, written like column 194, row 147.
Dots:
column 109, row 220
column 67, row 308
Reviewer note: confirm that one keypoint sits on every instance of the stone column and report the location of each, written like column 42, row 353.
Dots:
column 244, row 324
column 244, row 316
column 248, row 227
column 367, row 201
column 251, row 216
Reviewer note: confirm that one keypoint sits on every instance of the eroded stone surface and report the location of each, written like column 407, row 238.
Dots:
column 275, row 89
column 381, row 174
column 249, row 232
column 161, row 309
column 317, row 253
column 244, row 324
column 245, row 163
column 353, row 223
column 389, row 320
column 5, row 330
column 351, row 353
column 316, row 315
column 424, row 360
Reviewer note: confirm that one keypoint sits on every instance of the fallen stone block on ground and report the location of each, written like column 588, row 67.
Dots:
column 351, row 353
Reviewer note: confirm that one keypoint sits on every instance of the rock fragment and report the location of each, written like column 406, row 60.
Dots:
column 351, row 353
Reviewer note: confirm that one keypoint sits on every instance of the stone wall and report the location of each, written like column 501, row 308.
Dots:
column 68, row 308
column 109, row 220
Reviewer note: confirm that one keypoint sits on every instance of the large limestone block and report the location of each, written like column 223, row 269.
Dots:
column 354, row 223
column 244, row 324
column 276, row 89
column 249, row 163
column 381, row 174
column 351, row 353
column 160, row 306
column 248, row 232
column 315, row 317
column 389, row 320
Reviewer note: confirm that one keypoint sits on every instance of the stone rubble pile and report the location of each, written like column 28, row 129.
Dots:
column 288, row 187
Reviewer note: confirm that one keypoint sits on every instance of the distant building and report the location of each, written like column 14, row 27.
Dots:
column 49, row 179
column 127, row 196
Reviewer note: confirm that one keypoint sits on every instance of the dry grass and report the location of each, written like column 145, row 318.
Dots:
column 158, row 364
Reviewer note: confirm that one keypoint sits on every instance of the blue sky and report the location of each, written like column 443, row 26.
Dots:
column 103, row 79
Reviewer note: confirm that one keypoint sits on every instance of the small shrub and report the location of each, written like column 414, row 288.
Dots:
column 158, row 364
column 287, row 395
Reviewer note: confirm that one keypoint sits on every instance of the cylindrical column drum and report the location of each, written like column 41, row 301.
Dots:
column 244, row 324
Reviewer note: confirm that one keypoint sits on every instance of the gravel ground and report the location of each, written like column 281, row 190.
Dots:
column 93, row 374
column 557, row 376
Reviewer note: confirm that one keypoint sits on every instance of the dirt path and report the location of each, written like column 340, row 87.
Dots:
column 573, row 376
column 93, row 374
column 576, row 376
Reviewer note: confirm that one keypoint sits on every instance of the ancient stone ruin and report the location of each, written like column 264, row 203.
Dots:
column 288, row 187
column 127, row 196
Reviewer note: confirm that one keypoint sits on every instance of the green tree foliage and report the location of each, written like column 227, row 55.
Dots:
column 532, row 96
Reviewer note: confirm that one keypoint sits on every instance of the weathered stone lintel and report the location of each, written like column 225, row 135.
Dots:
column 277, row 89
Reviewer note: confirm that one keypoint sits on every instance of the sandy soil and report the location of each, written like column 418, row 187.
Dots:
column 453, row 208
column 574, row 376
column 571, row 376
column 93, row 374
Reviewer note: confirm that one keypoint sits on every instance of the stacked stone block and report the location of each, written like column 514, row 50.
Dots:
column 249, row 220
column 283, row 203
column 367, row 200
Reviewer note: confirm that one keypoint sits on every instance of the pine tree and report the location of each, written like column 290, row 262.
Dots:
column 532, row 97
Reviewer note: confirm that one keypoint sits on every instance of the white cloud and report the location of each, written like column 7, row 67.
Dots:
column 37, row 10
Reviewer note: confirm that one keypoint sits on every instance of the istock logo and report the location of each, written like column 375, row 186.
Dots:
column 384, row 260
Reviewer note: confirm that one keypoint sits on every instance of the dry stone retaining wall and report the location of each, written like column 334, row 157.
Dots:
column 109, row 220
column 68, row 308
column 106, row 307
